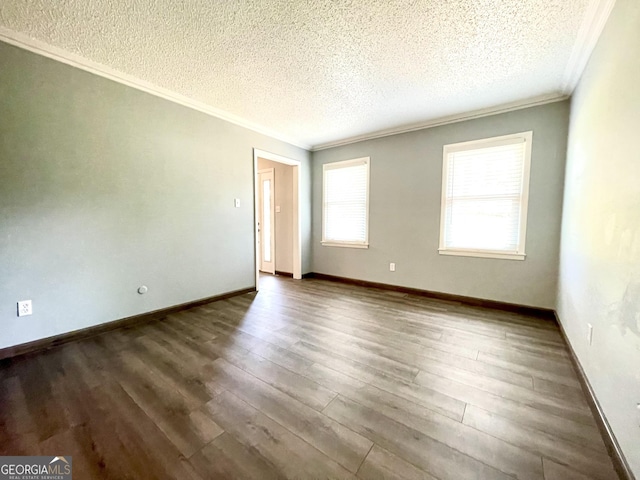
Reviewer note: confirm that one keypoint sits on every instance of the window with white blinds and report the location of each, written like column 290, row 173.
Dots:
column 345, row 203
column 485, row 190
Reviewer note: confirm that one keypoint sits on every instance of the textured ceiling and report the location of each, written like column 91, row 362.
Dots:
column 323, row 70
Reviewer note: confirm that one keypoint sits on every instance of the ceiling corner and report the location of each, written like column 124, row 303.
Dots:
column 588, row 35
column 440, row 121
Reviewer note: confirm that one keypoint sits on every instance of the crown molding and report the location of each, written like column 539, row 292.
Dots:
column 592, row 25
column 485, row 112
column 41, row 48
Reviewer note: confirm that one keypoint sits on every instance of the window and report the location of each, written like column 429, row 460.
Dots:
column 485, row 189
column 345, row 203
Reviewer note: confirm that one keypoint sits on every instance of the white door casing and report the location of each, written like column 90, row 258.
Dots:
column 297, row 253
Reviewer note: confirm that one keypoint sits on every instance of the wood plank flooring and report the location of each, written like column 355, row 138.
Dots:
column 310, row 379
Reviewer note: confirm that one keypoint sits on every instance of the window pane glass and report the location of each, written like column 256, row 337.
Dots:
column 483, row 198
column 345, row 202
column 485, row 224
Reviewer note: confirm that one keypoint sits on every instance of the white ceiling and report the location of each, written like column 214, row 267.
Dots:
column 324, row 71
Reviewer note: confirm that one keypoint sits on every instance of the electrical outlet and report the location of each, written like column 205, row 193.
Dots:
column 24, row 308
column 589, row 333
column 392, row 267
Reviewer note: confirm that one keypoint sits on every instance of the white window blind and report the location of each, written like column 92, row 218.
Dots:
column 345, row 208
column 485, row 190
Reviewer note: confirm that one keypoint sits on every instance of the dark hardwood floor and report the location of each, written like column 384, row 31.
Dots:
column 310, row 379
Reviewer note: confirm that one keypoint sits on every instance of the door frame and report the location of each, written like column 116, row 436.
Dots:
column 272, row 220
column 297, row 253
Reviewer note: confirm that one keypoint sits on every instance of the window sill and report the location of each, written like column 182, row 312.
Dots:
column 483, row 254
column 345, row 245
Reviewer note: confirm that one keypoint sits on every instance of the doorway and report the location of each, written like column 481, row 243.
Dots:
column 266, row 258
column 266, row 221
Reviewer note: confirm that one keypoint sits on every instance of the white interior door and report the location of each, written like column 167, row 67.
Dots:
column 266, row 221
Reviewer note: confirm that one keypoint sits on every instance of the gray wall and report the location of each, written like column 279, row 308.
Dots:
column 405, row 192
column 105, row 188
column 283, row 198
column 600, row 249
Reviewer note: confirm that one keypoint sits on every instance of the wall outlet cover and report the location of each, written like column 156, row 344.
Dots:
column 24, row 308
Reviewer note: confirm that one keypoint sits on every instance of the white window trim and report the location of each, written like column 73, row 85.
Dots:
column 342, row 164
column 484, row 143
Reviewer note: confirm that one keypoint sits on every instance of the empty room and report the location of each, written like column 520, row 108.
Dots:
column 320, row 240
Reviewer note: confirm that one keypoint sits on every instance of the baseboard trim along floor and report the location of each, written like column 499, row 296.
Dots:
column 477, row 302
column 615, row 452
column 51, row 342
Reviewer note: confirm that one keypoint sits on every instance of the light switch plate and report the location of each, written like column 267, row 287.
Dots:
column 236, row 202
